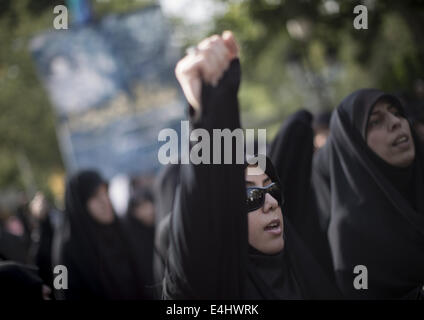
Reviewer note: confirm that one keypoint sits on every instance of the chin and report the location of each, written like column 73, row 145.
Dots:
column 275, row 247
column 406, row 160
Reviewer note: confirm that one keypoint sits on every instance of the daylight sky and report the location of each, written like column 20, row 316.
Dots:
column 194, row 11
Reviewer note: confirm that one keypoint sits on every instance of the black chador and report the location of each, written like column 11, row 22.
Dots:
column 209, row 256
column 372, row 212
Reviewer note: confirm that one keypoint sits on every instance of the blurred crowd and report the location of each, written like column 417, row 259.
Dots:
column 33, row 237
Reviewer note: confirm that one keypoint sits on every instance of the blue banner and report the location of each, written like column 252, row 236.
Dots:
column 113, row 88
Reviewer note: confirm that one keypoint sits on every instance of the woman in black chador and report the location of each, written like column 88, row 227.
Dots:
column 368, row 180
column 100, row 262
column 229, row 237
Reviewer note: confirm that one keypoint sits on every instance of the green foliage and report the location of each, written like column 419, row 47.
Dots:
column 283, row 72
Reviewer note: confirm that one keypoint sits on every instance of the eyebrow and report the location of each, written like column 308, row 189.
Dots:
column 250, row 183
column 391, row 106
column 266, row 180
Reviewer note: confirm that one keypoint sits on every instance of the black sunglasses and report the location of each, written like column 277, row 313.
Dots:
column 256, row 196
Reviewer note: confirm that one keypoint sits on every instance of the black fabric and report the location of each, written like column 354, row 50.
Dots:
column 141, row 237
column 209, row 255
column 43, row 257
column 208, row 226
column 25, row 218
column 291, row 152
column 292, row 274
column 19, row 282
column 322, row 120
column 12, row 247
column 414, row 107
column 367, row 217
column 271, row 277
column 165, row 187
column 98, row 256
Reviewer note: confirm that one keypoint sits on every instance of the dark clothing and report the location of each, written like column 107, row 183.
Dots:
column 19, row 281
column 43, row 258
column 12, row 247
column 98, row 256
column 141, row 238
column 25, row 218
column 291, row 153
column 166, row 184
column 373, row 213
column 209, row 255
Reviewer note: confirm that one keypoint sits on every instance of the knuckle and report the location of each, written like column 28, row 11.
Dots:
column 180, row 67
column 206, row 55
column 215, row 38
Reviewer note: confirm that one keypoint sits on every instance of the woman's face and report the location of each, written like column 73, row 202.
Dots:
column 389, row 135
column 100, row 207
column 145, row 212
column 265, row 224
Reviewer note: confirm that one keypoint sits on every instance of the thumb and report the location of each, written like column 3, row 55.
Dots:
column 231, row 44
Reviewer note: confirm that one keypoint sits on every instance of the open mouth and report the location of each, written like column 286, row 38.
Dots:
column 274, row 226
column 402, row 139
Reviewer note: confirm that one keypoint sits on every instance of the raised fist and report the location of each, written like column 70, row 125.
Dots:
column 208, row 63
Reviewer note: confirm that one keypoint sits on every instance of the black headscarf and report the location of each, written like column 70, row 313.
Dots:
column 98, row 256
column 322, row 120
column 291, row 274
column 369, row 218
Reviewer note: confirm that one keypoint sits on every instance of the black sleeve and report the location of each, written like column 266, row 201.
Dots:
column 208, row 228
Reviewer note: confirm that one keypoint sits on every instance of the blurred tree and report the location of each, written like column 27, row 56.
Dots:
column 29, row 151
column 304, row 53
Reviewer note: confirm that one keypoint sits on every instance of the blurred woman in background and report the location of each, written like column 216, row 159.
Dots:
column 100, row 262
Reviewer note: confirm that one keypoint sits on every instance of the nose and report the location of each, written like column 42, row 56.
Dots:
column 270, row 203
column 394, row 122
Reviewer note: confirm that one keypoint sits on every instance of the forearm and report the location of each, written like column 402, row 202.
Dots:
column 208, row 225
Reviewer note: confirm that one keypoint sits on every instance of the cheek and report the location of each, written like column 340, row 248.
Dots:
column 280, row 214
column 376, row 140
column 105, row 204
column 94, row 207
column 405, row 124
column 253, row 220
